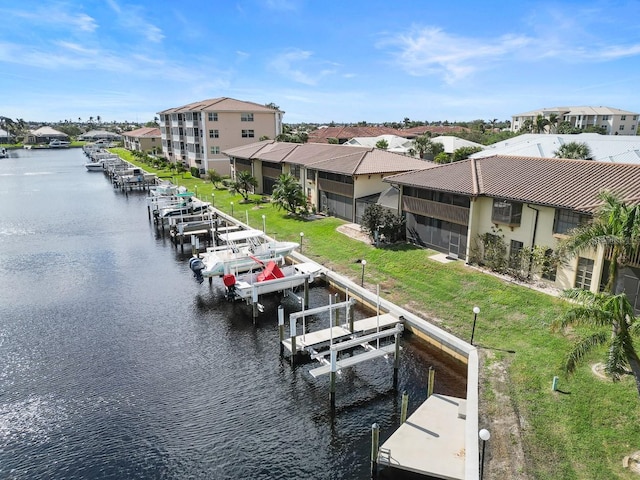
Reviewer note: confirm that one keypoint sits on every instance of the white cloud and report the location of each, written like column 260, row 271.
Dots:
column 284, row 65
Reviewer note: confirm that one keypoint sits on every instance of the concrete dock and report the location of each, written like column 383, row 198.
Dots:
column 431, row 441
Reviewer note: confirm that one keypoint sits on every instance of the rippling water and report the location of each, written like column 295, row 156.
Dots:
column 115, row 364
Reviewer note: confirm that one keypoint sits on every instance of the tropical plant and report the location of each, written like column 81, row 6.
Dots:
column 426, row 148
column 288, row 195
column 527, row 126
column 382, row 144
column 574, row 150
column 541, row 123
column 214, row 177
column 463, row 153
column 244, row 184
column 442, row 157
column 612, row 317
column 382, row 222
column 553, row 122
column 615, row 226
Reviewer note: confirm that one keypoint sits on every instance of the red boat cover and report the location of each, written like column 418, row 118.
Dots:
column 228, row 280
column 271, row 272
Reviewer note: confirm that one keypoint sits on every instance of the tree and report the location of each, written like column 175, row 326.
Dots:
column 553, row 122
column 541, row 123
column 288, row 195
column 426, row 148
column 244, row 184
column 615, row 225
column 214, row 177
column 442, row 157
column 378, row 219
column 382, row 144
column 574, row 150
column 612, row 317
column 463, row 153
column 527, row 126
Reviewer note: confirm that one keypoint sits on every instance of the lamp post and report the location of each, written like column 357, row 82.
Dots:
column 213, row 200
column 364, row 263
column 301, row 237
column 264, row 224
column 476, row 311
column 484, row 436
column 232, row 209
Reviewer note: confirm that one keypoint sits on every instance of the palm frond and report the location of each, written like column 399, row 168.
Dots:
column 583, row 347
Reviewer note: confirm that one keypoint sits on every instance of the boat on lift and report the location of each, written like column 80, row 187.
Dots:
column 240, row 251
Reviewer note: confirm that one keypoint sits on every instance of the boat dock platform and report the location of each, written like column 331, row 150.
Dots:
column 431, row 441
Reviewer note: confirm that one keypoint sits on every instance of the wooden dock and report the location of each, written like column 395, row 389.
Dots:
column 431, row 441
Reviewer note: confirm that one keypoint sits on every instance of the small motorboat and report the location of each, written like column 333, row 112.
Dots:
column 59, row 144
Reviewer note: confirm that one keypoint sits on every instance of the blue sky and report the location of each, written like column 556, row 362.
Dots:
column 320, row 61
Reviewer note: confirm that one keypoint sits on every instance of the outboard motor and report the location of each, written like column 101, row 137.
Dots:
column 196, row 265
column 229, row 281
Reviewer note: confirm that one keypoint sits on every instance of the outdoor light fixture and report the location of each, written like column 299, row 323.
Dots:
column 484, row 436
column 232, row 209
column 476, row 311
column 301, row 237
column 364, row 263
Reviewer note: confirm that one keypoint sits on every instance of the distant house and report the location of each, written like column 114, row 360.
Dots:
column 146, row 139
column 196, row 134
column 615, row 121
column 395, row 143
column 5, row 137
column 344, row 134
column 338, row 180
column 525, row 201
column 93, row 135
column 44, row 135
column 604, row 148
column 452, row 143
column 432, row 130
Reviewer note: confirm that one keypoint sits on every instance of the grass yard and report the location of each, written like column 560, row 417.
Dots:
column 582, row 432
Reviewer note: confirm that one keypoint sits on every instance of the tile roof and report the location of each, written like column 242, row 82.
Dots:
column 348, row 160
column 433, row 129
column 555, row 182
column 147, row 132
column 322, row 135
column 579, row 110
column 222, row 104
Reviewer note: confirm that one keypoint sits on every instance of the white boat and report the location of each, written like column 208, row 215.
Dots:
column 187, row 204
column 241, row 251
column 59, row 144
column 95, row 166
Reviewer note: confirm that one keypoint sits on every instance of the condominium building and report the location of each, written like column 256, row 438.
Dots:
column 615, row 121
column 197, row 133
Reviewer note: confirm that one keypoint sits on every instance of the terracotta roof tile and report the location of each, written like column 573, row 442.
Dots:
column 222, row 104
column 555, row 182
column 143, row 132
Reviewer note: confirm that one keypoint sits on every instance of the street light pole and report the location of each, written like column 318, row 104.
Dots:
column 264, row 224
column 364, row 263
column 476, row 311
column 301, row 237
column 484, row 436
column 232, row 209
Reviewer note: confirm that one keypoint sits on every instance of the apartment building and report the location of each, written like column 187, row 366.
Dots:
column 197, row 133
column 146, row 139
column 615, row 121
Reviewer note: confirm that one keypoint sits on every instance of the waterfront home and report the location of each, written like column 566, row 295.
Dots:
column 343, row 134
column 95, row 135
column 196, row 134
column 45, row 135
column 146, row 139
column 338, row 180
column 526, row 202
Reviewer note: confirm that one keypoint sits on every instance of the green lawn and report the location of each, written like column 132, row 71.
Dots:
column 582, row 433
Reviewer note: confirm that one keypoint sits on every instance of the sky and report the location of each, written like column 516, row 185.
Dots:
column 319, row 61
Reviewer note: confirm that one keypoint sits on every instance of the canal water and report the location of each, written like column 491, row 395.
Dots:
column 115, row 363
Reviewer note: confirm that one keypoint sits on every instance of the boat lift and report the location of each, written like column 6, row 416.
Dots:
column 339, row 338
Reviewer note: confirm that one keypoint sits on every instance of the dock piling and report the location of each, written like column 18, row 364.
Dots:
column 375, row 444
column 404, row 408
column 332, row 379
column 293, row 332
column 432, row 374
column 281, row 327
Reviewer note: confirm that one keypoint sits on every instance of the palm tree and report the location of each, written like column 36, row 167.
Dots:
column 244, row 184
column 615, row 225
column 553, row 123
column 615, row 325
column 382, row 144
column 527, row 126
column 288, row 194
column 574, row 150
column 422, row 145
column 541, row 123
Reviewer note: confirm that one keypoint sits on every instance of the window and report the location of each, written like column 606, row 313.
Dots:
column 505, row 211
column 248, row 134
column 565, row 220
column 635, row 117
column 246, row 117
column 623, row 117
column 621, row 127
column 311, row 175
column 213, row 116
column 214, row 134
column 584, row 273
column 214, row 150
column 295, row 171
column 605, row 117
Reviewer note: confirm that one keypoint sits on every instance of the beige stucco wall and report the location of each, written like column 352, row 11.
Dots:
column 365, row 185
column 480, row 222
